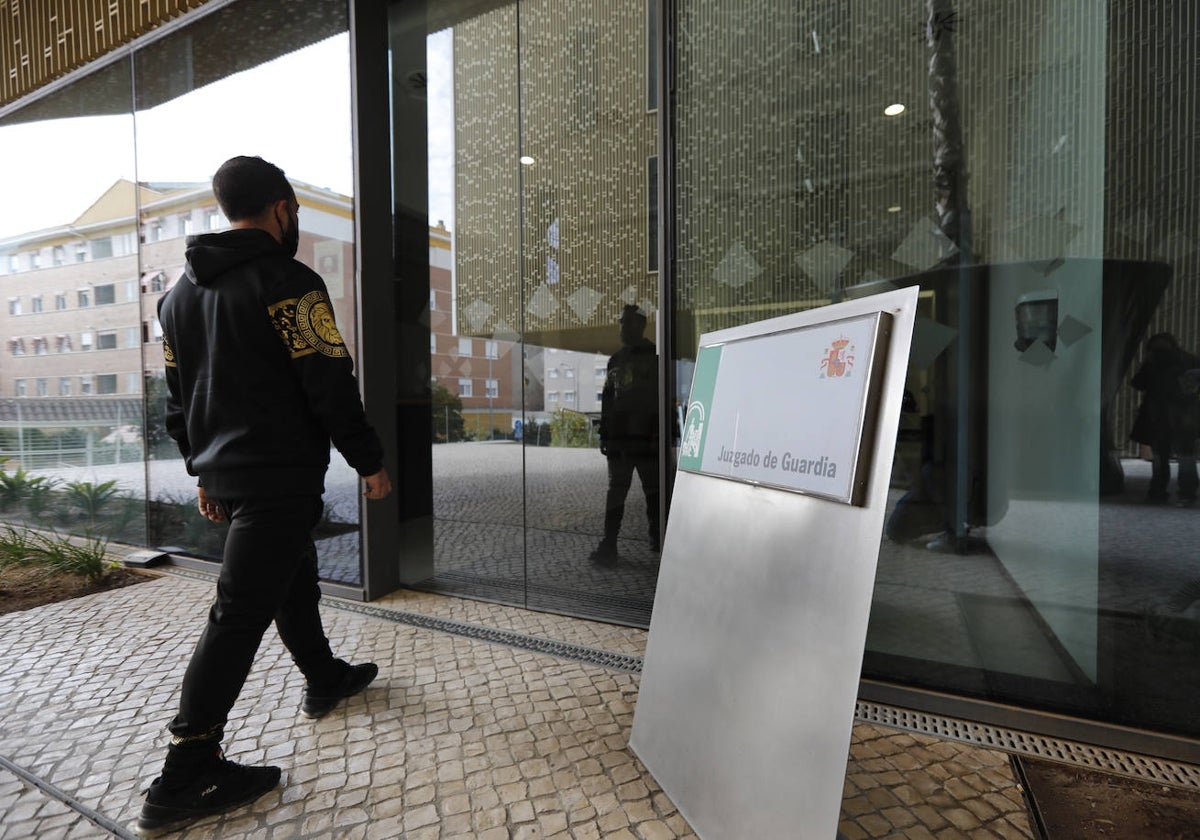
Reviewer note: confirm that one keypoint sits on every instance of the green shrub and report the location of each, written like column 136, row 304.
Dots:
column 89, row 497
column 54, row 554
column 16, row 487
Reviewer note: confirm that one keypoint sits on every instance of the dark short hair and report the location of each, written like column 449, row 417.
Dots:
column 633, row 312
column 246, row 186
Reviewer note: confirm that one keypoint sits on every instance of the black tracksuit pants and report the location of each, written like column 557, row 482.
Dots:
column 621, row 467
column 268, row 573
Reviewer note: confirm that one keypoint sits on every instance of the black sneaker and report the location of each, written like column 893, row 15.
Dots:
column 225, row 786
column 320, row 702
column 605, row 555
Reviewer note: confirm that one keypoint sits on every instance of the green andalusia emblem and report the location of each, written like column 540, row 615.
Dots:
column 314, row 319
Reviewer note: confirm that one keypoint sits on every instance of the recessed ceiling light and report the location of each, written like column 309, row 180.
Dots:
column 895, row 208
column 894, row 110
column 526, row 160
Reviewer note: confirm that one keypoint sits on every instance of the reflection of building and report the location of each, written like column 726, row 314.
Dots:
column 484, row 373
column 586, row 191
column 78, row 316
column 573, row 381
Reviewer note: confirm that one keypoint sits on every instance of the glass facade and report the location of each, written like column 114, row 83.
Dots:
column 99, row 238
column 544, row 493
column 1032, row 168
column 1026, row 166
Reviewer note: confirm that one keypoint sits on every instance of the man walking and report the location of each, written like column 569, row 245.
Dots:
column 260, row 382
column 629, row 431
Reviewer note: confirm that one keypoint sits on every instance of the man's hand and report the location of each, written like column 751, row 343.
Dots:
column 209, row 507
column 377, row 485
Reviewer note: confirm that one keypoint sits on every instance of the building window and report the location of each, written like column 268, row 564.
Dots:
column 43, row 387
column 85, row 297
column 156, row 232
column 131, row 337
column 85, row 385
column 552, row 396
column 105, row 294
column 64, row 386
column 60, row 255
column 599, row 396
column 464, row 347
column 102, row 248
column 493, row 388
column 552, row 373
column 14, row 306
column 652, row 213
column 35, row 259
column 14, row 263
column 106, row 383
column 432, row 344
column 569, row 396
column 64, row 344
column 185, row 225
column 131, row 291
column 20, row 387
column 132, row 383
column 106, row 340
column 60, row 301
column 212, row 220
column 491, row 349
column 35, row 303
column 432, row 300
column 465, row 388
column 85, row 341
column 651, row 55
column 569, row 373
column 40, row 347
column 81, row 252
column 601, row 370
column 156, row 329
column 17, row 345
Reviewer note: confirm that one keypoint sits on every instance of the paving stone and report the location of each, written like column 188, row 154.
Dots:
column 457, row 738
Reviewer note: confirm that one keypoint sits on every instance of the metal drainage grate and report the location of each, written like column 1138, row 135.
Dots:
column 536, row 644
column 1157, row 770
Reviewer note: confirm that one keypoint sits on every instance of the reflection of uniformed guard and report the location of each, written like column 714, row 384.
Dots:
column 629, row 430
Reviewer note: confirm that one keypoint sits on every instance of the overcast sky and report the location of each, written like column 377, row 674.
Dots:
column 294, row 111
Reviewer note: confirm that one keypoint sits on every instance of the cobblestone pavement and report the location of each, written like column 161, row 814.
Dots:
column 458, row 738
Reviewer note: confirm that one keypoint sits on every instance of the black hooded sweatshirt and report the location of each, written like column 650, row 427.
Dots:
column 259, row 378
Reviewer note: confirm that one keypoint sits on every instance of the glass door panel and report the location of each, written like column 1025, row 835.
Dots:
column 589, row 305
column 543, row 232
column 71, row 411
column 287, row 91
column 476, row 354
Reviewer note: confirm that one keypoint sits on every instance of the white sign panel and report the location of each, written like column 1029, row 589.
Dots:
column 819, row 385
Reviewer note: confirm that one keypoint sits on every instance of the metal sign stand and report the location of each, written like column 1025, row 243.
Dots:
column 756, row 642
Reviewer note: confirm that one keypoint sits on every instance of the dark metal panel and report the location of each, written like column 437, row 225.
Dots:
column 373, row 211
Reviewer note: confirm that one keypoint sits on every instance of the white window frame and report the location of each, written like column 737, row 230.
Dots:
column 466, row 388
